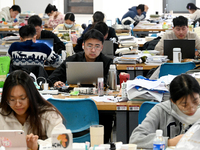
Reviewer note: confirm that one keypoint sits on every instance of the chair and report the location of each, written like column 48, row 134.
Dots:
column 144, row 109
column 175, row 68
column 79, row 114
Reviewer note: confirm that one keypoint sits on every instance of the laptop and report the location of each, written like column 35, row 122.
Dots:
column 84, row 72
column 108, row 49
column 13, row 139
column 187, row 48
column 49, row 42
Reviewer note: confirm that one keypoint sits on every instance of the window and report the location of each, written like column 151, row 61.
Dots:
column 78, row 6
column 178, row 6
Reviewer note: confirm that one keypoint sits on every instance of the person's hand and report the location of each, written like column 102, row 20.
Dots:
column 175, row 140
column 146, row 8
column 45, row 26
column 59, row 84
column 31, row 141
column 16, row 23
column 55, row 14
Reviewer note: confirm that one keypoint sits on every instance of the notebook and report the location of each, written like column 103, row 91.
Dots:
column 187, row 48
column 13, row 139
column 84, row 72
column 108, row 49
column 49, row 42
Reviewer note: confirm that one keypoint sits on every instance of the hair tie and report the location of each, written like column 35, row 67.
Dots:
column 189, row 7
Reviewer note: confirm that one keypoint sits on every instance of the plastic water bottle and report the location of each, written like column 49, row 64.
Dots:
column 159, row 142
column 113, row 77
column 197, row 24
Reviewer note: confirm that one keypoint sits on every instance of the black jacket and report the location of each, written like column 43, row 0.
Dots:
column 60, row 73
column 58, row 44
column 111, row 34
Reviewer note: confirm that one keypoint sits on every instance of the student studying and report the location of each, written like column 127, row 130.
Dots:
column 44, row 34
column 28, row 52
column 174, row 116
column 180, row 31
column 22, row 107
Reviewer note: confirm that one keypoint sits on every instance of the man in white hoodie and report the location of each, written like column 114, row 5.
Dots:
column 9, row 14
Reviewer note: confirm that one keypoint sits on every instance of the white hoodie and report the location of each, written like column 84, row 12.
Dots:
column 5, row 13
column 50, row 121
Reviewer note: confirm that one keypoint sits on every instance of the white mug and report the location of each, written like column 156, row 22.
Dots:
column 177, row 55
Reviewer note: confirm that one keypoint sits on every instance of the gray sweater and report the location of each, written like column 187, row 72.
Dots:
column 163, row 116
column 170, row 36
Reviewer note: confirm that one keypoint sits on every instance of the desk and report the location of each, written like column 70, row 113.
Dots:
column 126, row 115
column 144, row 27
column 135, row 69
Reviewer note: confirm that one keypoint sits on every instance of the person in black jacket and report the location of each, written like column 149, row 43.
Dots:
column 98, row 16
column 93, row 45
column 44, row 34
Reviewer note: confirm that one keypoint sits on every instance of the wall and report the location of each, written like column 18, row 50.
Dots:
column 111, row 8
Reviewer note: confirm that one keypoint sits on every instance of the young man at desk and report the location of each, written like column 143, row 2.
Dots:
column 180, row 31
column 92, row 45
column 28, row 52
column 43, row 34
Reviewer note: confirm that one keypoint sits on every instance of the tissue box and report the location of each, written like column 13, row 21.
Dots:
column 62, row 140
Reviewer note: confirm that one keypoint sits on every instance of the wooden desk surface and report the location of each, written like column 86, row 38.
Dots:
column 104, row 105
column 17, row 29
column 145, row 26
column 135, row 66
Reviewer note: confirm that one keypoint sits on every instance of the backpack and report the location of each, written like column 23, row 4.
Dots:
column 150, row 45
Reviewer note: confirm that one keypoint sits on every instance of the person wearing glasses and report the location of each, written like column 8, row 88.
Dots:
column 22, row 107
column 92, row 45
column 174, row 116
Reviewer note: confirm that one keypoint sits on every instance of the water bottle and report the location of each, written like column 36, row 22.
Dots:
column 112, row 77
column 197, row 24
column 159, row 142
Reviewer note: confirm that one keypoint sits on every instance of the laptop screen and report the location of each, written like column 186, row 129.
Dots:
column 48, row 42
column 187, row 48
column 84, row 72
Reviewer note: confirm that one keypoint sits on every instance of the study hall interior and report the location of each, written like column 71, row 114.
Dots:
column 108, row 77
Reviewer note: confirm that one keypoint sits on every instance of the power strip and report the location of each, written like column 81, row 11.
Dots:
column 50, row 92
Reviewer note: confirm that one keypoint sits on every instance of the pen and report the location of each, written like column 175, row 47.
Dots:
column 110, row 99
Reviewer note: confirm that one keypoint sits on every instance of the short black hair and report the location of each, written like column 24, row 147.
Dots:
column 98, row 16
column 180, row 21
column 93, row 34
column 27, row 31
column 141, row 7
column 16, row 8
column 50, row 8
column 182, row 86
column 70, row 16
column 102, row 27
column 191, row 6
column 35, row 20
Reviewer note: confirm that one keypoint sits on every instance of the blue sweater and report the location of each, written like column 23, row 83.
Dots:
column 30, row 53
column 134, row 15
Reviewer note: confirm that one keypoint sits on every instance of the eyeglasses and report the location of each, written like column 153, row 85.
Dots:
column 188, row 108
column 89, row 47
column 13, row 102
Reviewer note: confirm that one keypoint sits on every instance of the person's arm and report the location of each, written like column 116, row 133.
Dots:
column 59, row 74
column 145, row 133
column 53, row 122
column 58, row 44
column 54, row 59
column 55, row 19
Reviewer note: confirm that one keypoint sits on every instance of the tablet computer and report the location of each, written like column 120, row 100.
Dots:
column 13, row 139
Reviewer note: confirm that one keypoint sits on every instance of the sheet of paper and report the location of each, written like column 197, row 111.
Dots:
column 109, row 99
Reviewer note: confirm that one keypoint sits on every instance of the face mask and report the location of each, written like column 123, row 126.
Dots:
column 68, row 25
